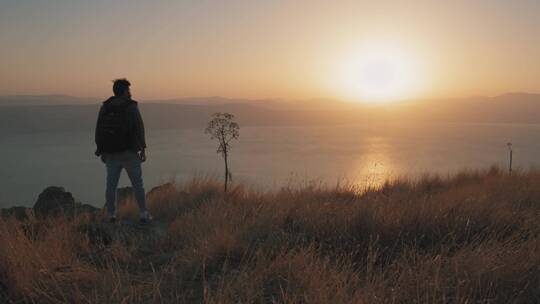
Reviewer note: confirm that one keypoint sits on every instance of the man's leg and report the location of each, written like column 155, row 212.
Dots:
column 113, row 175
column 134, row 171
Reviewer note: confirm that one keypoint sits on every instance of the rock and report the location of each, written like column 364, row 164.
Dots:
column 125, row 231
column 17, row 212
column 97, row 234
column 4, row 291
column 167, row 191
column 54, row 201
column 86, row 208
column 34, row 230
column 168, row 187
column 123, row 195
column 184, row 196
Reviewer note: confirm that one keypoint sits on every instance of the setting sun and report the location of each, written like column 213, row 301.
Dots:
column 378, row 73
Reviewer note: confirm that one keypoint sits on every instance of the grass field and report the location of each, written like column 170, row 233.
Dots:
column 470, row 238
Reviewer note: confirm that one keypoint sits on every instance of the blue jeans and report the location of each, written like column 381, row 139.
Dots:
column 130, row 161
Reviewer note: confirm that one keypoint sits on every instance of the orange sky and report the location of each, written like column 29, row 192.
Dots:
column 264, row 49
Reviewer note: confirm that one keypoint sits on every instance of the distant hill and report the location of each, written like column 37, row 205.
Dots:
column 506, row 108
column 40, row 100
column 65, row 118
column 55, row 100
column 60, row 113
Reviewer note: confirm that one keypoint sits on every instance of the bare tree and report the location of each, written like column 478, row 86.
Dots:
column 511, row 157
column 224, row 129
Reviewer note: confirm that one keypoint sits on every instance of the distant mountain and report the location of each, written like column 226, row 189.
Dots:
column 37, row 100
column 54, row 100
column 506, row 108
column 517, row 96
column 68, row 118
column 60, row 113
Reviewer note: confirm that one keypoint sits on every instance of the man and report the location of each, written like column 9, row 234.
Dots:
column 120, row 143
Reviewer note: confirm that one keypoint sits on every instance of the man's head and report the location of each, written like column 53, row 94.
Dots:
column 121, row 87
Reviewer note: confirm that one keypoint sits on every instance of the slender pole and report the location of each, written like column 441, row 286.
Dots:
column 226, row 171
column 510, row 166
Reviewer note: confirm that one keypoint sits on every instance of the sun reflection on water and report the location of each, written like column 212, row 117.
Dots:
column 375, row 166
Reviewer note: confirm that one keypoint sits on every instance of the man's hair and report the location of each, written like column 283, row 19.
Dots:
column 120, row 85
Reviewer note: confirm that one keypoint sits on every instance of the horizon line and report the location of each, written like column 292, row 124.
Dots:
column 278, row 98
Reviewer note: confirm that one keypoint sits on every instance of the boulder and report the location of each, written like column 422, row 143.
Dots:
column 4, row 291
column 97, row 234
column 126, row 231
column 54, row 201
column 167, row 192
column 123, row 195
column 86, row 208
column 165, row 188
column 17, row 212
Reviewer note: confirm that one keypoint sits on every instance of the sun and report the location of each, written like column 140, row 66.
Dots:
column 377, row 74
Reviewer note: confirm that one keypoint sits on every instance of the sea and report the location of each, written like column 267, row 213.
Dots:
column 269, row 158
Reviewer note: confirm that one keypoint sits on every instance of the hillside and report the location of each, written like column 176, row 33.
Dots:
column 470, row 238
column 69, row 118
column 58, row 113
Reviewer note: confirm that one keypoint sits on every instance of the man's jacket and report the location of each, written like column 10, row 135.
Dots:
column 133, row 120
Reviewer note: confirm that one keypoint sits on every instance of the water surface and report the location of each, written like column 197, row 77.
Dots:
column 267, row 157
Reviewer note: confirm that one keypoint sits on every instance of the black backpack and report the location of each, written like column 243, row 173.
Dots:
column 113, row 128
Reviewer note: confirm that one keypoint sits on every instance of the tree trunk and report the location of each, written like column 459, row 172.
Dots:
column 226, row 170
column 510, row 166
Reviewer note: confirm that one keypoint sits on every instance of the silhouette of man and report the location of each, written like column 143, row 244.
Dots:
column 121, row 145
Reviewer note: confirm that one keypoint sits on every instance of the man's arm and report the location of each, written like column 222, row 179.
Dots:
column 138, row 128
column 98, row 138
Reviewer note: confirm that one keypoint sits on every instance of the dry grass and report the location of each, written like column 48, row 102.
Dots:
column 470, row 238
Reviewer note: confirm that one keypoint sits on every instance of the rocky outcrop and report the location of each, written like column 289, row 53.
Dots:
column 86, row 209
column 17, row 212
column 167, row 191
column 125, row 231
column 123, row 195
column 54, row 201
column 4, row 291
column 165, row 188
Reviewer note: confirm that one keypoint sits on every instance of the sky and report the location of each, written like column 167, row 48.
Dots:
column 270, row 49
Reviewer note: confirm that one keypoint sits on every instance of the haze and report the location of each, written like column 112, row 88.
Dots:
column 265, row 49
